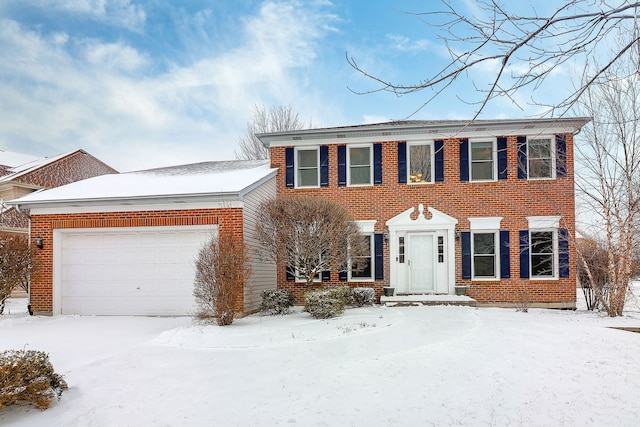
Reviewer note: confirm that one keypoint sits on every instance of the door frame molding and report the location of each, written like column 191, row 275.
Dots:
column 416, row 220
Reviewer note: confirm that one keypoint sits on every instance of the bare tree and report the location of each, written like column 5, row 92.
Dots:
column 276, row 119
column 311, row 236
column 15, row 266
column 221, row 269
column 525, row 49
column 608, row 172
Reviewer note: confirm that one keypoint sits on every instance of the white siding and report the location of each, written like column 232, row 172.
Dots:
column 264, row 273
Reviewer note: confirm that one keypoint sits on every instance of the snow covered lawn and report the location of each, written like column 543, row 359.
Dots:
column 376, row 366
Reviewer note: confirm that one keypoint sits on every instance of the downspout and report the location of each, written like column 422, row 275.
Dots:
column 26, row 215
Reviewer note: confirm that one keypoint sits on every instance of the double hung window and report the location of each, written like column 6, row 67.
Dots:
column 485, row 255
column 482, row 160
column 541, row 158
column 420, row 161
column 307, row 167
column 360, row 161
column 365, row 270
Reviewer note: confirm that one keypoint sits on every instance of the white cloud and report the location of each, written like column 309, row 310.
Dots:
column 57, row 97
column 405, row 44
column 116, row 56
column 116, row 12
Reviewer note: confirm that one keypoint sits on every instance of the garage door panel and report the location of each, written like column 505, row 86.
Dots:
column 141, row 271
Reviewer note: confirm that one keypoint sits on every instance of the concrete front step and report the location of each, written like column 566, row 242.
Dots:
column 427, row 299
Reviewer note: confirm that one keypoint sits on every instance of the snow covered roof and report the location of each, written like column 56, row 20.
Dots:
column 218, row 178
column 12, row 160
column 38, row 162
column 421, row 129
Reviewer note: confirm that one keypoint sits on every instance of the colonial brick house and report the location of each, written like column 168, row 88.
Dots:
column 488, row 204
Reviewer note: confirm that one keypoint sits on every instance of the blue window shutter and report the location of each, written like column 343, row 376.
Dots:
column 289, row 171
column 524, row 254
column 326, row 276
column 466, row 254
column 402, row 162
column 439, row 155
column 377, row 163
column 324, row 165
column 378, row 249
column 464, row 161
column 563, row 253
column 505, row 259
column 342, row 165
column 290, row 277
column 342, row 275
column 522, row 157
column 561, row 156
column 502, row 158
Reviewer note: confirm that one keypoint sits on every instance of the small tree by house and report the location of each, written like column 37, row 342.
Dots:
column 15, row 266
column 310, row 236
column 221, row 269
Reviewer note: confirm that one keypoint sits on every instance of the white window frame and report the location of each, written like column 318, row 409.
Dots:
column 431, row 161
column 556, row 254
column 496, row 255
column 370, row 147
column 552, row 148
column 371, row 262
column 296, row 178
column 494, row 159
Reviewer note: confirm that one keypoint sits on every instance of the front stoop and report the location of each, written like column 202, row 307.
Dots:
column 405, row 300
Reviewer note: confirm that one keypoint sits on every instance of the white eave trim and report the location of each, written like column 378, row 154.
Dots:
column 422, row 131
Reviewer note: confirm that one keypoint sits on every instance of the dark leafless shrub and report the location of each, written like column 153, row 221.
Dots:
column 16, row 261
column 594, row 278
column 523, row 299
column 27, row 376
column 221, row 269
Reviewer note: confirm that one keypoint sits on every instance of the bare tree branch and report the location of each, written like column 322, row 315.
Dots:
column 539, row 44
column 310, row 236
column 276, row 119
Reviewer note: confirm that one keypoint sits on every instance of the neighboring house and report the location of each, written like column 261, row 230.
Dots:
column 488, row 204
column 125, row 244
column 21, row 174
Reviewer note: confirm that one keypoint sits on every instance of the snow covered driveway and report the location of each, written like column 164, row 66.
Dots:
column 373, row 366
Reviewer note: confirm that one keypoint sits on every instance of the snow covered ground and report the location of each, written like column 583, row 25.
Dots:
column 375, row 366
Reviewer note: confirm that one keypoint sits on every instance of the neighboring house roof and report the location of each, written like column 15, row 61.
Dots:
column 12, row 160
column 219, row 178
column 20, row 171
column 430, row 129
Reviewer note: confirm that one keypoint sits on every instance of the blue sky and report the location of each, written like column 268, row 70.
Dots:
column 142, row 84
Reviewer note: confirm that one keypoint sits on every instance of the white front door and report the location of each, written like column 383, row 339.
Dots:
column 421, row 262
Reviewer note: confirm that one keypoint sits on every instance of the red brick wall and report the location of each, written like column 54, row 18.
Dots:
column 513, row 198
column 229, row 220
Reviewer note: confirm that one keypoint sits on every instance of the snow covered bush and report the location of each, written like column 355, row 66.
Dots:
column 276, row 301
column 27, row 376
column 221, row 269
column 323, row 303
column 362, row 296
column 343, row 293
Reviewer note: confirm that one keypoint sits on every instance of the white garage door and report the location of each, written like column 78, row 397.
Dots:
column 127, row 271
